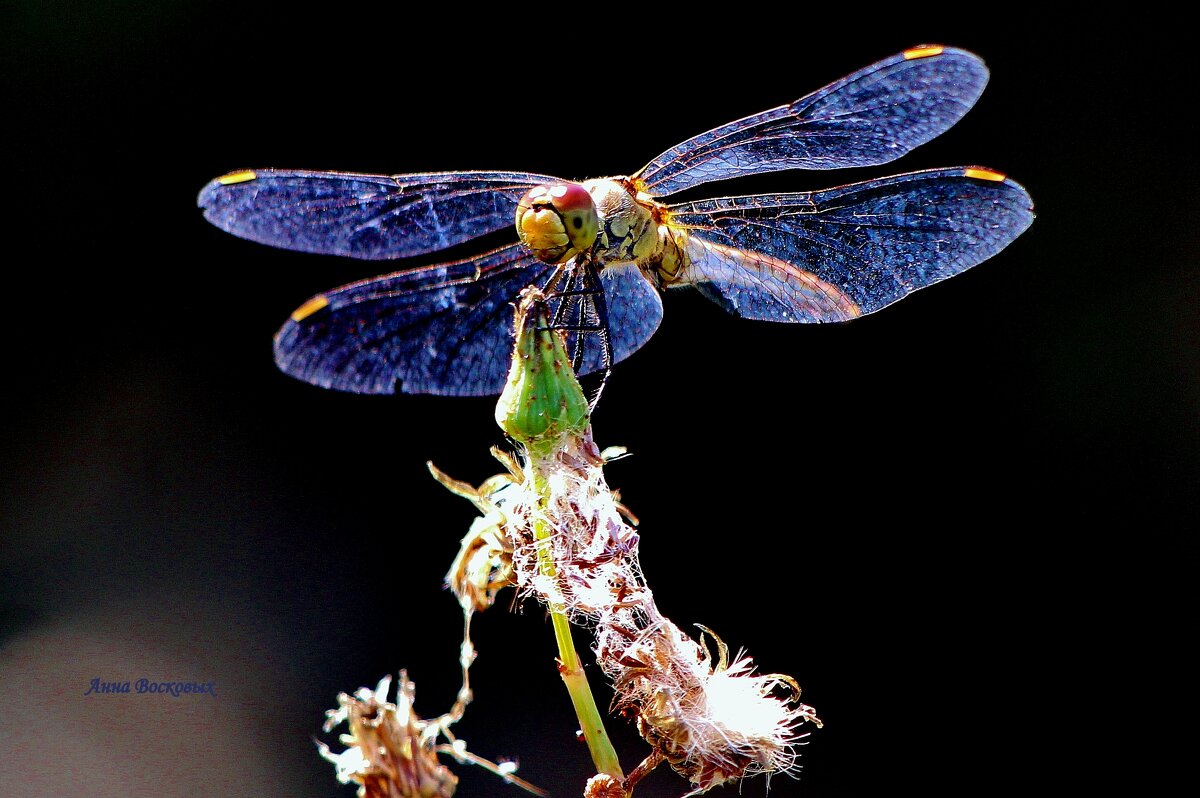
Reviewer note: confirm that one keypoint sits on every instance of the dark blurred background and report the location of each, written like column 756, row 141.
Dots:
column 965, row 524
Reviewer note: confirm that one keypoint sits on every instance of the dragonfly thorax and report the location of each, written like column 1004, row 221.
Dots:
column 632, row 228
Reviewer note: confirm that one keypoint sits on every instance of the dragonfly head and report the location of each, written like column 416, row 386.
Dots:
column 557, row 221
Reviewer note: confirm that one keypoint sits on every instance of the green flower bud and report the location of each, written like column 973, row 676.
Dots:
column 542, row 400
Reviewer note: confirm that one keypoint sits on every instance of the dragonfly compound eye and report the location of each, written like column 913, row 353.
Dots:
column 557, row 221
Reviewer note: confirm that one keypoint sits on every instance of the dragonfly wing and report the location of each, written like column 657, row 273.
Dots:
column 634, row 313
column 835, row 254
column 444, row 329
column 373, row 217
column 871, row 117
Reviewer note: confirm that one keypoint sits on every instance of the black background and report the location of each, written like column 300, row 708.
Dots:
column 965, row 524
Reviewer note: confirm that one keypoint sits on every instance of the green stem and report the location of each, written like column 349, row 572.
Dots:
column 570, row 668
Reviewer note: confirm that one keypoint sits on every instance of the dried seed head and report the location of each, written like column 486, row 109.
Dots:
column 483, row 566
column 711, row 723
column 391, row 752
column 603, row 785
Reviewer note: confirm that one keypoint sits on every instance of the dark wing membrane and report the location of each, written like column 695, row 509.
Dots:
column 373, row 217
column 843, row 252
column 871, row 117
column 634, row 313
column 444, row 329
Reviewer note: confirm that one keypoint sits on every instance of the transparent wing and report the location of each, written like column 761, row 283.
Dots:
column 835, row 254
column 373, row 217
column 871, row 117
column 634, row 313
column 444, row 329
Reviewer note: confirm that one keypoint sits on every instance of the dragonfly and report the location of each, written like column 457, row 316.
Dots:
column 603, row 249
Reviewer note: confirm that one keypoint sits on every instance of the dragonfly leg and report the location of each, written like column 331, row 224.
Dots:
column 600, row 305
column 582, row 309
column 574, row 295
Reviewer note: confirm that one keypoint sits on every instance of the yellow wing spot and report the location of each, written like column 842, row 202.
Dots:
column 923, row 51
column 310, row 307
column 980, row 173
column 244, row 176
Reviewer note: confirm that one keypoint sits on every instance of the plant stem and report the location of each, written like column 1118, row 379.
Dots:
column 604, row 757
